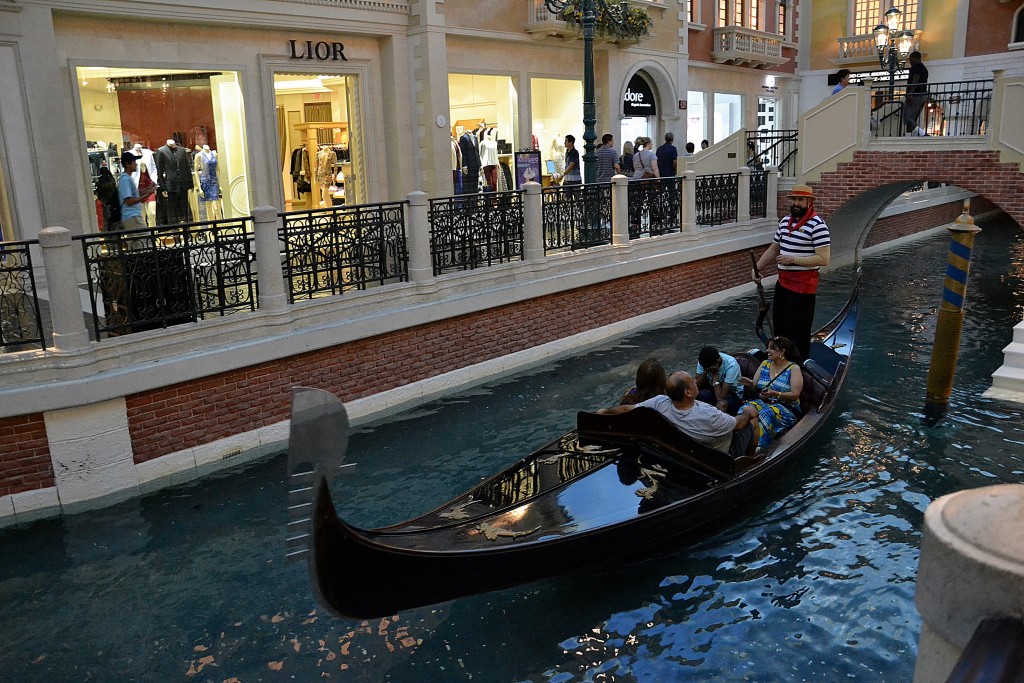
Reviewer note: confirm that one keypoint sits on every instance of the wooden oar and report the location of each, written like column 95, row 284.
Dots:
column 762, row 304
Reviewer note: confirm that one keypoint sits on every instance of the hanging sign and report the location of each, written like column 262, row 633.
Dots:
column 527, row 163
column 639, row 98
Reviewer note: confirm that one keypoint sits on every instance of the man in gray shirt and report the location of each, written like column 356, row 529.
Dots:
column 607, row 159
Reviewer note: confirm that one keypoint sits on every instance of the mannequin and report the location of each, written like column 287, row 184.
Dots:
column 469, row 144
column 149, row 205
column 209, row 184
column 489, row 159
column 146, row 160
column 456, row 166
column 174, row 175
column 324, row 175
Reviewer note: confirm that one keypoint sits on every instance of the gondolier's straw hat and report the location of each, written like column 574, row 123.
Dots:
column 801, row 191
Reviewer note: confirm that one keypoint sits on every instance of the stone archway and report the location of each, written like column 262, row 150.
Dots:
column 852, row 196
column 664, row 87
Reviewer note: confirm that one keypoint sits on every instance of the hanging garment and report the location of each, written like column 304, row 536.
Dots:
column 208, row 181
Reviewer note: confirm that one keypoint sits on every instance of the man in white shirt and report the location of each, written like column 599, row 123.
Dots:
column 700, row 421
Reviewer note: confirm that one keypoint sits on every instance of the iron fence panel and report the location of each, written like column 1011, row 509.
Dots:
column 155, row 277
column 655, row 207
column 474, row 231
column 21, row 322
column 717, row 198
column 338, row 249
column 944, row 109
column 576, row 216
column 772, row 148
column 758, row 194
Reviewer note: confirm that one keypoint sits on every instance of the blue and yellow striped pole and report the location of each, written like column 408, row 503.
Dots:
column 951, row 317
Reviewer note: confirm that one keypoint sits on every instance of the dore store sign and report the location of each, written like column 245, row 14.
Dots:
column 321, row 50
column 639, row 98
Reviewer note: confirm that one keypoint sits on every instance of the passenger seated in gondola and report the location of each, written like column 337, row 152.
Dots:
column 718, row 378
column 650, row 382
column 779, row 380
column 699, row 421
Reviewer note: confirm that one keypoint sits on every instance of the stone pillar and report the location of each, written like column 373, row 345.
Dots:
column 772, row 200
column 533, row 222
column 417, row 237
column 690, row 203
column 273, row 298
column 971, row 568
column 69, row 331
column 743, row 200
column 620, row 210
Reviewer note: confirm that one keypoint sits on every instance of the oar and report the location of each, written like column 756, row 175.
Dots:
column 317, row 443
column 762, row 304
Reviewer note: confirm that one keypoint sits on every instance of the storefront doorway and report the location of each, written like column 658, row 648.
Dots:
column 320, row 138
column 557, row 112
column 639, row 107
column 188, row 128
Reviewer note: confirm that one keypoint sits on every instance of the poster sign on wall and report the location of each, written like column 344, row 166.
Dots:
column 639, row 98
column 527, row 167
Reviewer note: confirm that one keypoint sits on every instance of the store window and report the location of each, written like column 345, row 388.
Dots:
column 557, row 112
column 188, row 128
column 321, row 142
column 484, row 115
column 696, row 121
column 728, row 115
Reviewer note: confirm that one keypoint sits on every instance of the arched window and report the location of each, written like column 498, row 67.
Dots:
column 1017, row 35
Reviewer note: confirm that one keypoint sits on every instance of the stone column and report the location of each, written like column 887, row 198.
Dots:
column 690, row 202
column 273, row 298
column 620, row 210
column 972, row 568
column 772, row 200
column 69, row 331
column 743, row 200
column 533, row 222
column 417, row 237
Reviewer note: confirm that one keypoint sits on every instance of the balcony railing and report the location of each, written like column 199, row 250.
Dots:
column 541, row 23
column 738, row 45
column 654, row 207
column 577, row 216
column 717, row 198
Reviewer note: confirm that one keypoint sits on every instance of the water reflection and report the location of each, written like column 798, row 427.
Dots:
column 812, row 581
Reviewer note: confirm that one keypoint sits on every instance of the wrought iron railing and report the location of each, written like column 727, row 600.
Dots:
column 21, row 323
column 942, row 109
column 473, row 231
column 773, row 148
column 155, row 277
column 654, row 207
column 334, row 250
column 576, row 216
column 759, row 194
column 717, row 198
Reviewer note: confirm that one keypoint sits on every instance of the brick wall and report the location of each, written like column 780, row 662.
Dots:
column 191, row 413
column 24, row 455
column 905, row 224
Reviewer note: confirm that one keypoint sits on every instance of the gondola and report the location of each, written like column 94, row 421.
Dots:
column 616, row 482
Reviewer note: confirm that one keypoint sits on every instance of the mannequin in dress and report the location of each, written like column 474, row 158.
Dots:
column 149, row 204
column 174, row 175
column 489, row 159
column 558, row 154
column 209, row 184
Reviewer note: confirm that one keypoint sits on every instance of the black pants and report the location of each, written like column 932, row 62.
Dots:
column 792, row 317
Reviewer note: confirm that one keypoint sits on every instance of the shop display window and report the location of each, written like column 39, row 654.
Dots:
column 321, row 141
column 696, row 118
column 557, row 112
column 188, row 128
column 484, row 115
column 728, row 115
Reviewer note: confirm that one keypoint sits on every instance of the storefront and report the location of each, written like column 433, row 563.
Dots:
column 484, row 116
column 639, row 109
column 557, row 111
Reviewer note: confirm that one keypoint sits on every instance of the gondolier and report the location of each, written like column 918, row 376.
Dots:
column 801, row 246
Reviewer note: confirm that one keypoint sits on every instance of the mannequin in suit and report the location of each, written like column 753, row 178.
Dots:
column 174, row 174
column 469, row 145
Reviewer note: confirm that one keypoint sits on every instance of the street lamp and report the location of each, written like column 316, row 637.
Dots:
column 616, row 13
column 893, row 45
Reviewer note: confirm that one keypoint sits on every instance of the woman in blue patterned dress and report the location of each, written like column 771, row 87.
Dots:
column 777, row 407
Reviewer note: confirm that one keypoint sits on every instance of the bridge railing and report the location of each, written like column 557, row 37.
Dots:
column 941, row 109
column 773, row 148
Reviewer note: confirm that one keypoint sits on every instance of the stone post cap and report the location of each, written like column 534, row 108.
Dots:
column 264, row 214
column 55, row 236
column 417, row 198
column 972, row 560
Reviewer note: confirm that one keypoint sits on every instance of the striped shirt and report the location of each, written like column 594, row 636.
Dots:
column 607, row 157
column 802, row 242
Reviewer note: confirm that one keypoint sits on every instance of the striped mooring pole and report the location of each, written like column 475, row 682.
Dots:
column 951, row 317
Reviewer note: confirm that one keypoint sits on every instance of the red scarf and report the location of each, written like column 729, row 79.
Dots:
column 808, row 215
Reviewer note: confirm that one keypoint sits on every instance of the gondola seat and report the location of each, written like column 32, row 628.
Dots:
column 648, row 427
column 816, row 386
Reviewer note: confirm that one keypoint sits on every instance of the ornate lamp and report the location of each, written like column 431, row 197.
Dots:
column 893, row 45
column 617, row 13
